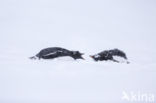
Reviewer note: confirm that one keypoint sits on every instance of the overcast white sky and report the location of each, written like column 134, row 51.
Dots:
column 79, row 20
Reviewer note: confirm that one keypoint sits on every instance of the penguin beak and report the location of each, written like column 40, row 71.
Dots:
column 91, row 56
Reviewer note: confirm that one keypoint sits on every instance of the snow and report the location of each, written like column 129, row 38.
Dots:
column 90, row 26
column 120, row 59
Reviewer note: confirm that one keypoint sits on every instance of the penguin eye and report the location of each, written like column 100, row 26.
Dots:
column 96, row 56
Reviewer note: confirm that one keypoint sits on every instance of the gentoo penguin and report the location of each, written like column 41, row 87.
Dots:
column 54, row 52
column 109, row 55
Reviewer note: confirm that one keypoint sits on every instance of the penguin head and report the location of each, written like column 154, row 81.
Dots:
column 77, row 55
column 95, row 57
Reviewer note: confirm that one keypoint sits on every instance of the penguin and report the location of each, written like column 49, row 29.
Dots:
column 109, row 55
column 54, row 52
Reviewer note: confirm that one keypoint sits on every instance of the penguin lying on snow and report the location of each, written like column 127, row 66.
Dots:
column 54, row 52
column 109, row 55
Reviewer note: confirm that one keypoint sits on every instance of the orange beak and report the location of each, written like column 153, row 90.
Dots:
column 91, row 56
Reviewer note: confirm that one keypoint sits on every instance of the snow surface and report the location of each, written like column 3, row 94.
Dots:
column 90, row 26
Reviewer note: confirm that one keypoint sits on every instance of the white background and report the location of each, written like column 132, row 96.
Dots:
column 90, row 26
